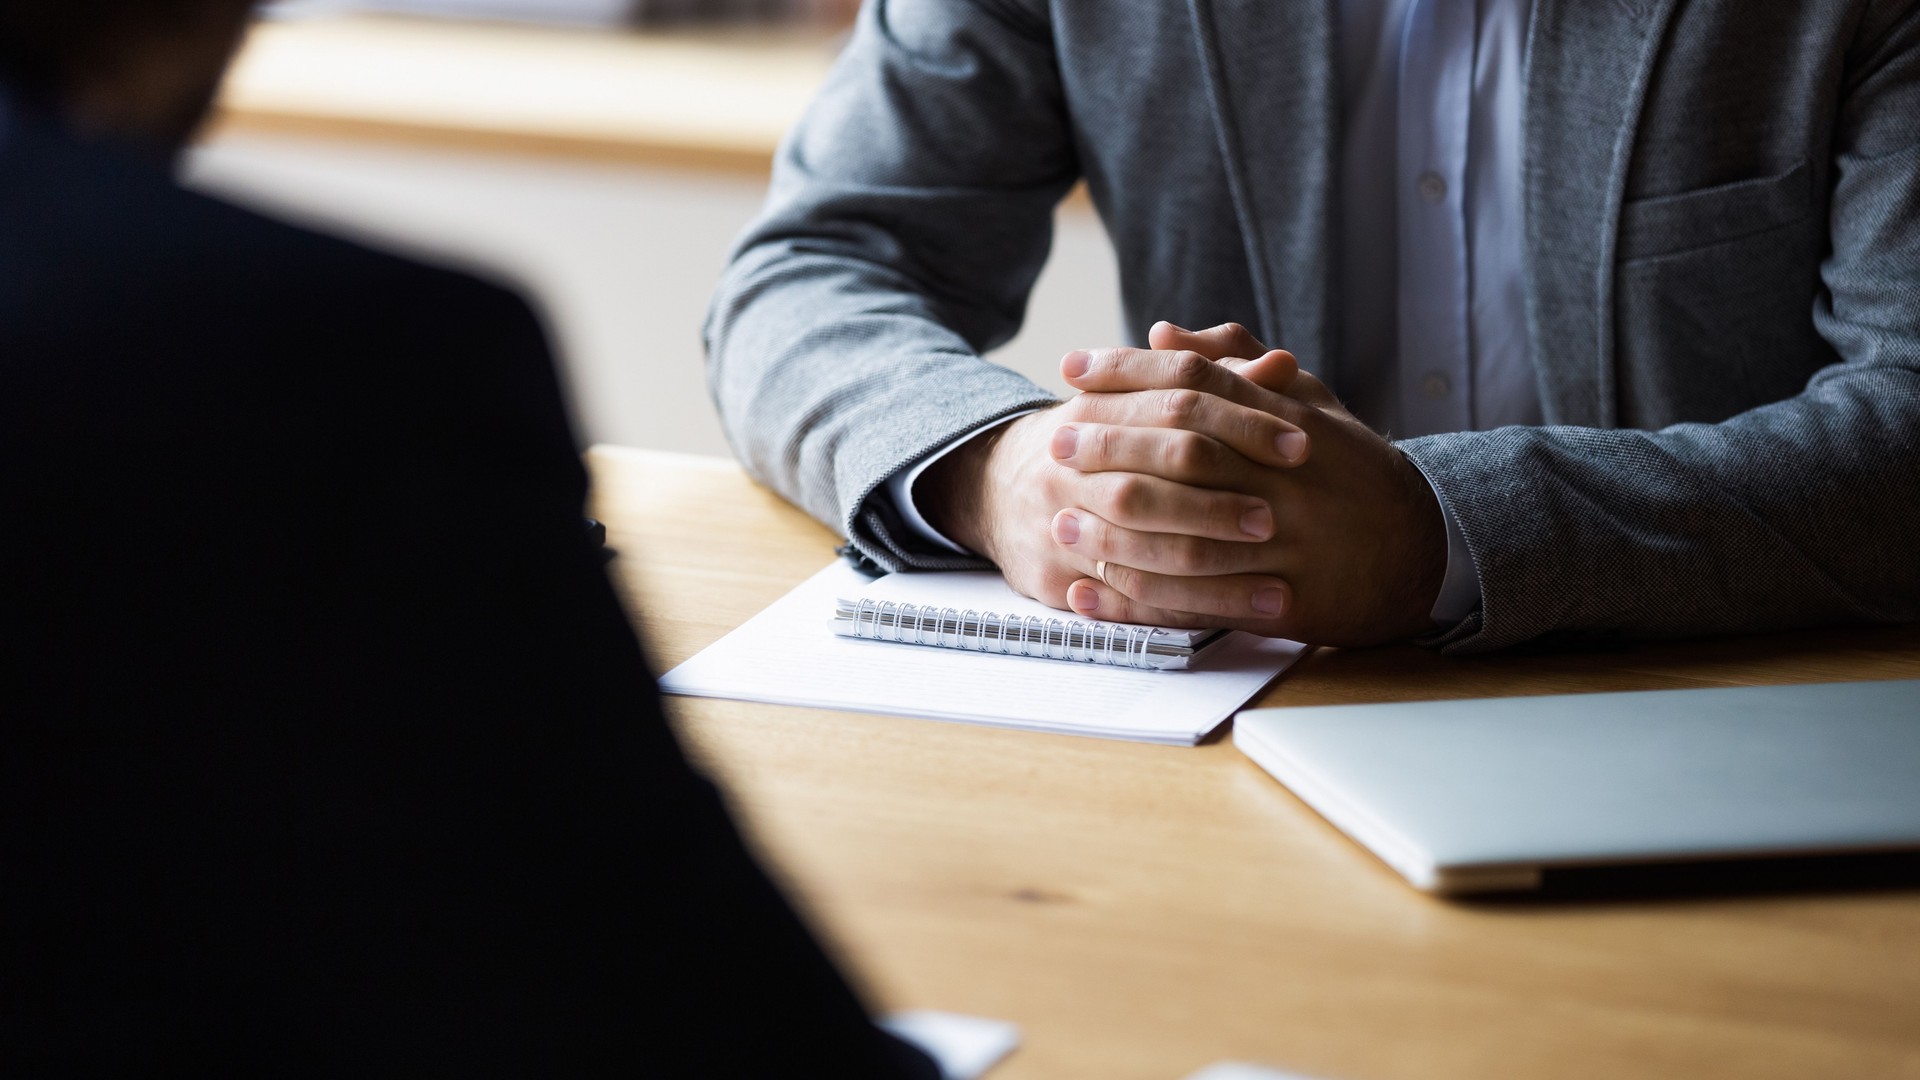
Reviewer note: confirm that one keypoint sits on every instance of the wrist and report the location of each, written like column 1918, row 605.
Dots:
column 954, row 493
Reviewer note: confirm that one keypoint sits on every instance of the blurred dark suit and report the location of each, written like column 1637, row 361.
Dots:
column 327, row 746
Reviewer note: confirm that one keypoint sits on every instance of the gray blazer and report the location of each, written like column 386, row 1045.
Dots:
column 1723, row 273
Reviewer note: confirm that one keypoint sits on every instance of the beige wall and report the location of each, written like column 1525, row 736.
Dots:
column 621, row 257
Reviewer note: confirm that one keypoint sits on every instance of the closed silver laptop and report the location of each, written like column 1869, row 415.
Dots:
column 1467, row 796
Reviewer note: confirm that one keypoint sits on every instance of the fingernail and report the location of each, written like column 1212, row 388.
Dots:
column 1084, row 598
column 1075, row 364
column 1270, row 601
column 1065, row 442
column 1066, row 529
column 1257, row 522
column 1293, row 445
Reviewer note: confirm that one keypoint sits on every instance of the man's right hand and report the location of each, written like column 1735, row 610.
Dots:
column 1000, row 494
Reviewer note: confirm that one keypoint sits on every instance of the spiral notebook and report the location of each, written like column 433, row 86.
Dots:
column 791, row 654
column 980, row 612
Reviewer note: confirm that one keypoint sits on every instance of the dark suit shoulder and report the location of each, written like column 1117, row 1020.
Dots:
column 134, row 313
column 101, row 247
column 69, row 205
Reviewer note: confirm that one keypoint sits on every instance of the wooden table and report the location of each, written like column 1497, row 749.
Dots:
column 1142, row 911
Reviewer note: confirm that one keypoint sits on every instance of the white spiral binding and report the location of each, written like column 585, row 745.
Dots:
column 1030, row 635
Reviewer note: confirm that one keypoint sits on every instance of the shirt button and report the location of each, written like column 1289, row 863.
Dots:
column 1436, row 385
column 1432, row 188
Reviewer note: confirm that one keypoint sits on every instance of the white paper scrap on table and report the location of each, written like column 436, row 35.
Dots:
column 964, row 1047
column 1233, row 1070
column 789, row 655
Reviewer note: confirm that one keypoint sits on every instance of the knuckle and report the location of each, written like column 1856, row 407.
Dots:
column 1093, row 536
column 1180, row 405
column 1225, row 513
column 1187, row 368
column 1053, row 586
column 1190, row 557
column 1126, row 494
column 1258, row 428
column 1035, row 578
column 1099, row 443
column 1188, row 454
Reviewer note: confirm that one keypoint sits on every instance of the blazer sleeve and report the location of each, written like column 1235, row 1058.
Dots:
column 910, row 213
column 567, row 894
column 1796, row 513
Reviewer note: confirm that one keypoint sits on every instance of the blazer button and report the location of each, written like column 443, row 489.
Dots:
column 1432, row 187
column 1437, row 385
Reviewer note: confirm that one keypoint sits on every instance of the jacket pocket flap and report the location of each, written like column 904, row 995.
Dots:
column 1666, row 224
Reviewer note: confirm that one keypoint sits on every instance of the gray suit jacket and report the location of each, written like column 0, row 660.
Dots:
column 1723, row 270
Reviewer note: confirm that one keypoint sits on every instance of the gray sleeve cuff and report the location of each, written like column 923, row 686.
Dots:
column 1460, row 588
column 900, row 487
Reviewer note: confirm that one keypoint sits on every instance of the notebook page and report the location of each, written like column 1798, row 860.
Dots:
column 789, row 655
column 984, row 591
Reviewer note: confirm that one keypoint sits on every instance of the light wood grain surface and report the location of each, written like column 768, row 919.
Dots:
column 1143, row 911
column 711, row 99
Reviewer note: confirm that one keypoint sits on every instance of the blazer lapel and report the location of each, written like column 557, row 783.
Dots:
column 1269, row 73
column 1588, row 66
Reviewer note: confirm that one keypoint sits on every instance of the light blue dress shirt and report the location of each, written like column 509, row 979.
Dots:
column 1432, row 317
column 1432, row 311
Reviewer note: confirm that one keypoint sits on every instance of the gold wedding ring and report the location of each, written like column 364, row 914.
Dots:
column 1100, row 571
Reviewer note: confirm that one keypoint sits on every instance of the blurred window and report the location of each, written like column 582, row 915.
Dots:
column 594, row 12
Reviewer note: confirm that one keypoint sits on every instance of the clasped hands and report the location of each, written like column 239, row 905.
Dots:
column 1216, row 484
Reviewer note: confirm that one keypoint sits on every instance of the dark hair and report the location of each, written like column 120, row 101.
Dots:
column 43, row 43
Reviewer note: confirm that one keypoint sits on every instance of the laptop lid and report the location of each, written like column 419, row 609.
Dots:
column 1466, row 796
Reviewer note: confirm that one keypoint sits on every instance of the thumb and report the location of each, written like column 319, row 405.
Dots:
column 1218, row 343
column 1311, row 390
column 1275, row 371
column 1166, row 337
column 1280, row 372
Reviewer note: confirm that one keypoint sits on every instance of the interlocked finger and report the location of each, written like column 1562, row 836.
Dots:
column 1277, row 371
column 1244, row 600
column 1185, row 456
column 1275, row 438
column 1215, row 343
column 1151, row 504
column 1100, row 545
column 1120, row 371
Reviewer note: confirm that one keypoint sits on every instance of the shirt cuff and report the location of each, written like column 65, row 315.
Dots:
column 901, row 484
column 1460, row 588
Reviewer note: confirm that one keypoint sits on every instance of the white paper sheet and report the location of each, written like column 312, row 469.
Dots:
column 789, row 655
column 965, row 1047
column 1230, row 1070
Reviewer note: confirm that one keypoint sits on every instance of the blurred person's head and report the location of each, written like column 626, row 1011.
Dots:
column 140, row 69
